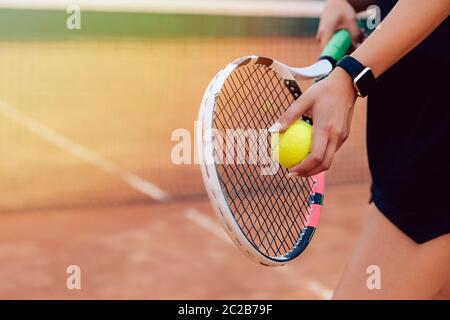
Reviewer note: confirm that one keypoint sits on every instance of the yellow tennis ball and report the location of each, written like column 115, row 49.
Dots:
column 293, row 145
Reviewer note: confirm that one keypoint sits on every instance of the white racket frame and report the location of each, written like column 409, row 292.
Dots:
column 206, row 156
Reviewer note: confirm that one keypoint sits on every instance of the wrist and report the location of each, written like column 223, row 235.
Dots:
column 343, row 78
column 366, row 61
column 363, row 79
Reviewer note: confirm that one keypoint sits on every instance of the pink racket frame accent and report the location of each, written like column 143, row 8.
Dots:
column 316, row 208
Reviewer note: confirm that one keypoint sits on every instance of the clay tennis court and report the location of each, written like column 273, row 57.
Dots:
column 86, row 176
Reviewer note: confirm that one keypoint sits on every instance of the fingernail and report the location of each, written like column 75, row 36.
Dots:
column 293, row 174
column 275, row 128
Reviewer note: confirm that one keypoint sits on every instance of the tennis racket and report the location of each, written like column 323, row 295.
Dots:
column 268, row 215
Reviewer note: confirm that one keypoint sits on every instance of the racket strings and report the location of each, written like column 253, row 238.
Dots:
column 264, row 224
column 276, row 218
column 280, row 99
column 271, row 210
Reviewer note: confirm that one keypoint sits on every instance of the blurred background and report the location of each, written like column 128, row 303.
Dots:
column 87, row 114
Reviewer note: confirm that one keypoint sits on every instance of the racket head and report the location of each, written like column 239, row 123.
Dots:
column 270, row 217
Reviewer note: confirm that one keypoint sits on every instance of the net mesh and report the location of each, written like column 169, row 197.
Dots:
column 82, row 112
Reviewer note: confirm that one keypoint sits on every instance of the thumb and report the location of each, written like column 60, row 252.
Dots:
column 355, row 33
column 324, row 36
column 325, row 30
column 293, row 113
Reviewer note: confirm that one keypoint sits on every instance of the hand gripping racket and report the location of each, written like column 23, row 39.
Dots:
column 268, row 215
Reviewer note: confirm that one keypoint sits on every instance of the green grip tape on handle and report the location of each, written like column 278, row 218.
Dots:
column 338, row 45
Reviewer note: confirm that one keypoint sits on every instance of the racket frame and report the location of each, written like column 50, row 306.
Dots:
column 208, row 167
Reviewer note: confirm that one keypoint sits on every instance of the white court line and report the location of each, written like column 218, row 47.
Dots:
column 249, row 8
column 208, row 224
column 319, row 290
column 130, row 179
column 73, row 148
column 276, row 8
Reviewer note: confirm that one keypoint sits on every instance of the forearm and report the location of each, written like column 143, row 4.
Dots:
column 409, row 23
column 361, row 5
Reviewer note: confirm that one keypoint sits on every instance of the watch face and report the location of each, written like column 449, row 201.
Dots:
column 364, row 82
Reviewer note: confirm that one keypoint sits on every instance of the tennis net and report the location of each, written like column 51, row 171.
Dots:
column 87, row 115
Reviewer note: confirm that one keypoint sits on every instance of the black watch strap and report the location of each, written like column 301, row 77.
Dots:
column 363, row 78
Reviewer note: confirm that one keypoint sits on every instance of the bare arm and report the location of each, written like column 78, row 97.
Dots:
column 409, row 23
column 331, row 101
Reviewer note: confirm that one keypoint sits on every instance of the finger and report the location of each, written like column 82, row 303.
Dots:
column 325, row 31
column 315, row 157
column 319, row 34
column 325, row 36
column 347, row 129
column 327, row 159
column 293, row 113
column 355, row 32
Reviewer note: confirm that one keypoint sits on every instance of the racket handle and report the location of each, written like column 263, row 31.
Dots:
column 338, row 46
column 334, row 51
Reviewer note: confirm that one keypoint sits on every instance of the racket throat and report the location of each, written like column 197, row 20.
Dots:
column 318, row 70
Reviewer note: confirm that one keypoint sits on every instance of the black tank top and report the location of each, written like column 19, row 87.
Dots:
column 408, row 125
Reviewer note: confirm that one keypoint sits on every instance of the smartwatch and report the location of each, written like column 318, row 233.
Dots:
column 363, row 79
